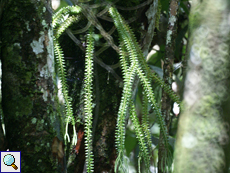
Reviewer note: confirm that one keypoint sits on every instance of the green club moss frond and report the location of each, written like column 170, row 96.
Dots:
column 123, row 60
column 69, row 21
column 140, row 136
column 127, row 34
column 125, row 99
column 151, row 97
column 145, row 121
column 59, row 16
column 88, row 105
column 134, row 53
column 62, row 75
column 128, row 74
column 60, row 21
column 131, row 48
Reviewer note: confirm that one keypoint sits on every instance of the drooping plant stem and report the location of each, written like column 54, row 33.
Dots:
column 88, row 102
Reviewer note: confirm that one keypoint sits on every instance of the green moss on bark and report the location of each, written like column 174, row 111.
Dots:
column 28, row 90
column 202, row 131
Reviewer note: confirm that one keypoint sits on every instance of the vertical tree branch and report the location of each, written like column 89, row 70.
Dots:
column 151, row 15
column 202, row 131
column 167, row 76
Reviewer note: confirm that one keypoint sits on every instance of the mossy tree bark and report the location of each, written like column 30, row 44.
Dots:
column 202, row 131
column 29, row 101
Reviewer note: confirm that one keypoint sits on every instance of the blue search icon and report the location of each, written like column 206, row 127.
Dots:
column 9, row 160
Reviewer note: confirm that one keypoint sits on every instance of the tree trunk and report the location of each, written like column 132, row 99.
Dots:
column 202, row 131
column 29, row 101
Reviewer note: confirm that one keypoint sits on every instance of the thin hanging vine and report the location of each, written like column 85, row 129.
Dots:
column 61, row 21
column 88, row 101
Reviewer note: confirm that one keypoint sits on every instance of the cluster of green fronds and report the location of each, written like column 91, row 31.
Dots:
column 137, row 66
column 128, row 73
column 132, row 63
column 61, row 21
column 126, row 97
column 88, row 101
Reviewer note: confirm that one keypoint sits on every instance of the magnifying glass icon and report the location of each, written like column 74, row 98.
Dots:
column 9, row 160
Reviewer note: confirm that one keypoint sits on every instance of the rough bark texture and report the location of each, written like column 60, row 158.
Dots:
column 104, row 150
column 151, row 15
column 202, row 131
column 167, row 76
column 104, row 137
column 28, row 91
